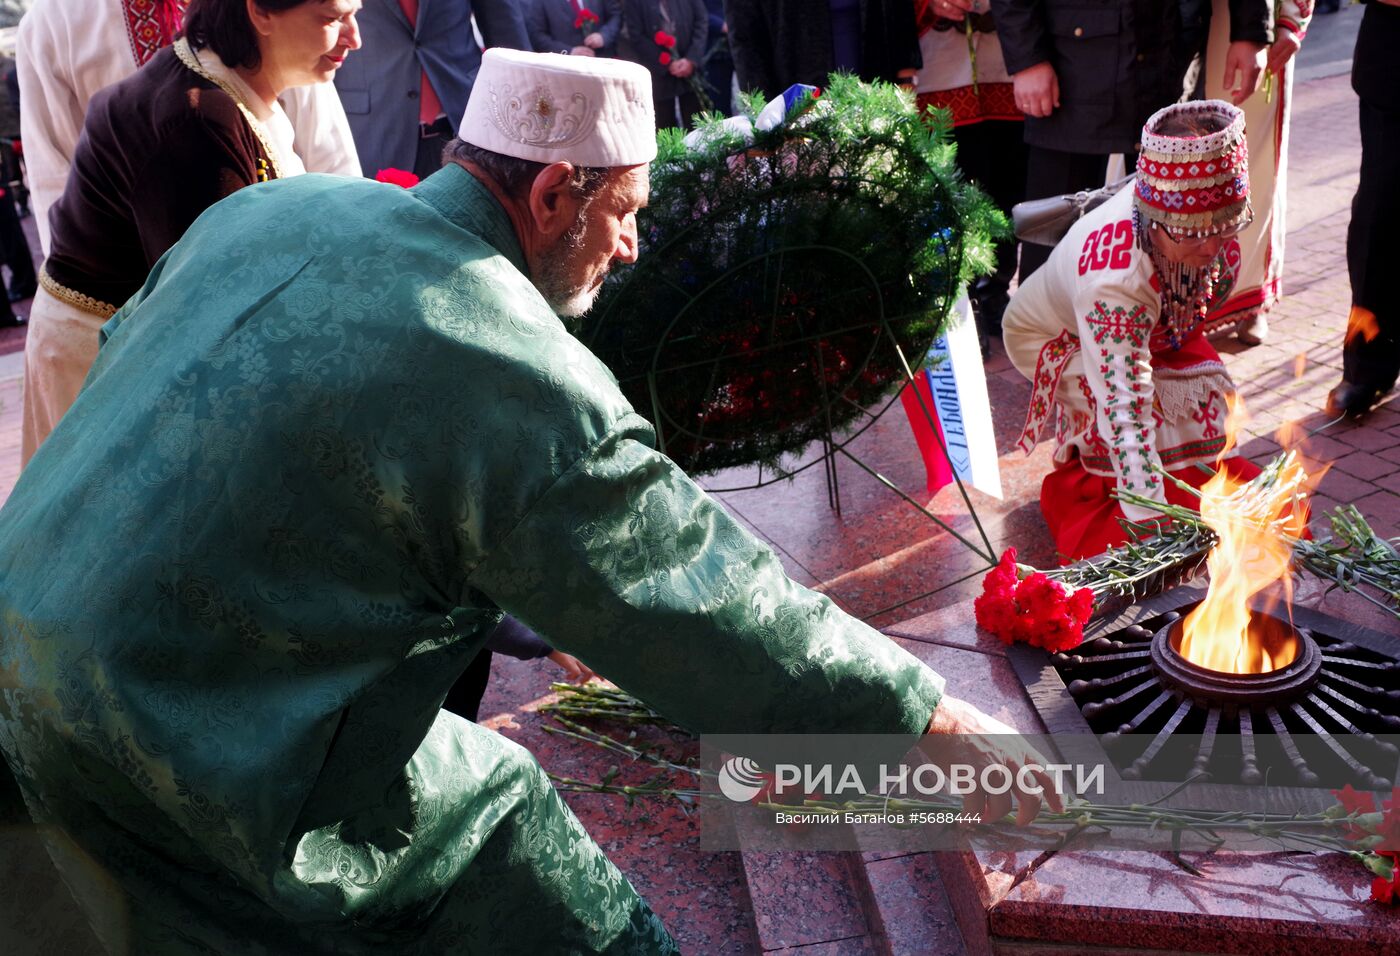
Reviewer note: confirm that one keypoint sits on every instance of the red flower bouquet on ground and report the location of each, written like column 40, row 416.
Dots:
column 1376, row 834
column 1026, row 606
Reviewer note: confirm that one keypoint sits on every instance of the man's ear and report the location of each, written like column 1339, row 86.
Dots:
column 553, row 205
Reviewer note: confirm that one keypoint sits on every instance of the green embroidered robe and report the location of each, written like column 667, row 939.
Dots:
column 335, row 434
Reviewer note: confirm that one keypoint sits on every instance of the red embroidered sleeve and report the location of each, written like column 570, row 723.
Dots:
column 1118, row 369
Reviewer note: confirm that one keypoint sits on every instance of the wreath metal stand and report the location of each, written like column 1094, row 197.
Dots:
column 831, row 443
column 793, row 274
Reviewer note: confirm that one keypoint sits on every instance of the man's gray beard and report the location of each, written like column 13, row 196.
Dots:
column 553, row 280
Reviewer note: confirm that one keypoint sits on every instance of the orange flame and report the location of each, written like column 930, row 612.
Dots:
column 1361, row 322
column 1254, row 523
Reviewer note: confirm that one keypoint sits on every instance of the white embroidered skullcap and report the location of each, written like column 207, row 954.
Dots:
column 547, row 107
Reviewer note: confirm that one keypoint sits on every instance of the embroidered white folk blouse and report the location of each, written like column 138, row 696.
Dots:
column 1084, row 329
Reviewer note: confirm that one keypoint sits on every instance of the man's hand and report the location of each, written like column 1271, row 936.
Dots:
column 982, row 741
column 955, row 9
column 682, row 68
column 1037, row 90
column 575, row 670
column 1244, row 69
column 1286, row 44
column 582, row 51
column 594, row 41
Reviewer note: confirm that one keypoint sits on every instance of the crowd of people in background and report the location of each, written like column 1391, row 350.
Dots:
column 1045, row 97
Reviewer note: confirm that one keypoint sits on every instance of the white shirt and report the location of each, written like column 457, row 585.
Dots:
column 69, row 49
column 273, row 119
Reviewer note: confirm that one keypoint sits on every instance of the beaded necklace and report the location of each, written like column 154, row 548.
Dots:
column 1186, row 292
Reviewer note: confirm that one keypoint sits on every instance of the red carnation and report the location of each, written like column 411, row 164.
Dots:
column 396, row 177
column 1383, row 890
column 1035, row 610
column 665, row 59
column 1355, row 803
column 1389, row 830
column 665, row 39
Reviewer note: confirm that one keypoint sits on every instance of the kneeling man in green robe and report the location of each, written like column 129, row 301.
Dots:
column 340, row 431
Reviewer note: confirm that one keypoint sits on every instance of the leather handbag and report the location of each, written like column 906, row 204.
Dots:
column 1044, row 222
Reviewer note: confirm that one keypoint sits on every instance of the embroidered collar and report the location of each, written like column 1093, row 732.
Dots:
column 206, row 64
column 151, row 25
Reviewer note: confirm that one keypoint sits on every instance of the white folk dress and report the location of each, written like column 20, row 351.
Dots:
column 1266, row 128
column 947, row 79
column 1120, row 400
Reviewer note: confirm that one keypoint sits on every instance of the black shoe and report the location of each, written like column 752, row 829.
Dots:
column 1352, row 399
column 19, row 295
column 1328, row 6
column 14, row 322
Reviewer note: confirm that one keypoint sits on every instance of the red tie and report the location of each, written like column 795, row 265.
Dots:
column 429, row 106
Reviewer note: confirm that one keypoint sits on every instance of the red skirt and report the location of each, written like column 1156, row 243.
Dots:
column 1084, row 517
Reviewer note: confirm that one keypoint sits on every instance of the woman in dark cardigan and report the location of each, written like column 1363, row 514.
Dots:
column 196, row 123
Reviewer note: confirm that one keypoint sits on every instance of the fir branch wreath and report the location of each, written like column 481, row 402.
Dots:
column 779, row 272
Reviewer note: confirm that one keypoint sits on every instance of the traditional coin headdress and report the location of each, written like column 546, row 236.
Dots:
column 1195, row 184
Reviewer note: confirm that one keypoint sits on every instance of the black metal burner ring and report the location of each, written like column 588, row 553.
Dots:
column 1274, row 688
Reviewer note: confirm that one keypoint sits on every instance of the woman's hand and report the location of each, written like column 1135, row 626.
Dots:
column 1244, row 69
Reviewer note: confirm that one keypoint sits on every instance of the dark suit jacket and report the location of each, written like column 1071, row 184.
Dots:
column 1118, row 61
column 1374, row 74
column 691, row 28
column 379, row 86
column 551, row 25
column 777, row 43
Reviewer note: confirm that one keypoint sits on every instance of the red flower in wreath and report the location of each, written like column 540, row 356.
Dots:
column 664, row 39
column 396, row 177
column 664, row 58
column 585, row 20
